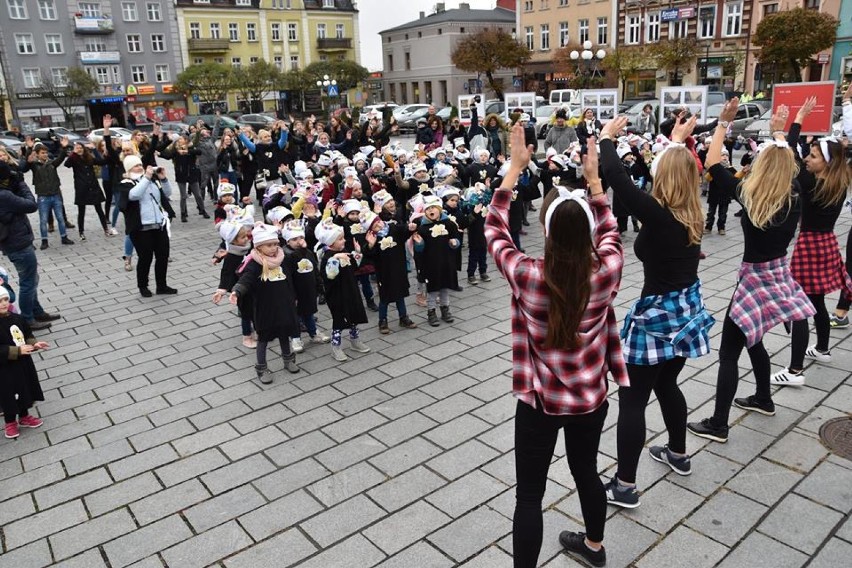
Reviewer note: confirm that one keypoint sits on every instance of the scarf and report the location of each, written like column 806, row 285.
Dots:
column 268, row 263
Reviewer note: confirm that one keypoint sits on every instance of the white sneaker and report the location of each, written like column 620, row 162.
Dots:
column 787, row 378
column 816, row 355
column 338, row 354
column 296, row 345
column 358, row 345
column 111, row 230
column 320, row 337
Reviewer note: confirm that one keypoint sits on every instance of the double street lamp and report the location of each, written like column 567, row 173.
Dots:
column 325, row 83
column 588, row 57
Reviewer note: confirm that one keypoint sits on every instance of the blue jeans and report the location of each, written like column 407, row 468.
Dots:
column 366, row 287
column 46, row 203
column 310, row 326
column 27, row 266
column 115, row 210
column 128, row 246
column 401, row 310
column 476, row 258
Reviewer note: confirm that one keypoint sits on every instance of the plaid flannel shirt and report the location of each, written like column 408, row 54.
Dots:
column 566, row 381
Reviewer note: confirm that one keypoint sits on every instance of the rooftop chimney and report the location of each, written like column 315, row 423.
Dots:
column 422, row 15
column 439, row 7
column 464, row 6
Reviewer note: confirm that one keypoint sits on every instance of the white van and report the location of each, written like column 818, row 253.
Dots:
column 561, row 97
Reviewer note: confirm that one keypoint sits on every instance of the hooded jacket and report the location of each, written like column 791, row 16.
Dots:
column 499, row 132
column 16, row 201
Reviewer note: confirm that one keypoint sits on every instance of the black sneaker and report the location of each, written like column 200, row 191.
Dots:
column 67, row 241
column 679, row 465
column 753, row 404
column 39, row 325
column 44, row 245
column 145, row 292
column 706, row 429
column 167, row 290
column 575, row 542
column 627, row 497
column 47, row 317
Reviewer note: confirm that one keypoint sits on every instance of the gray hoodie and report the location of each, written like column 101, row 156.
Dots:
column 560, row 138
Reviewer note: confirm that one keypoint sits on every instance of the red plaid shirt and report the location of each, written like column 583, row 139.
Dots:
column 566, row 381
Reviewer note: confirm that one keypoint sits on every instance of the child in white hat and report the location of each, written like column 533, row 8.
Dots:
column 304, row 267
column 236, row 237
column 436, row 239
column 273, row 301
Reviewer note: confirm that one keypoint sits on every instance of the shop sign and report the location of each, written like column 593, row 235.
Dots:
column 668, row 15
column 168, row 89
column 823, row 58
column 146, row 89
column 30, row 95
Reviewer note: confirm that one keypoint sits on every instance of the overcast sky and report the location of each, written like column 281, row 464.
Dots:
column 378, row 15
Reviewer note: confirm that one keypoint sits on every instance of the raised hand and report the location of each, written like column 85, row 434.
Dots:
column 614, row 126
column 729, row 111
column 107, row 122
column 779, row 119
column 806, row 109
column 520, row 153
column 683, row 130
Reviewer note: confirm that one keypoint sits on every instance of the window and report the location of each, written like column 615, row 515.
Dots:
column 162, row 73
column 320, row 31
column 545, row 37
column 251, row 31
column 292, row 32
column 583, row 31
column 528, row 5
column 234, row 31
column 59, row 76
column 194, row 30
column 652, row 32
column 603, row 31
column 128, row 12
column 677, row 29
column 407, row 61
column 563, row 34
column 18, row 11
column 88, row 9
column 236, row 62
column 47, row 9
column 328, row 3
column 563, row 3
column 294, row 62
column 769, row 9
column 243, row 2
column 253, row 60
column 25, row 43
column 529, row 38
column 219, row 60
column 154, row 12
column 339, row 31
column 390, row 61
column 812, row 5
column 733, row 18
column 544, row 4
column 32, row 78
column 633, row 25
column 323, row 58
column 134, row 43
column 215, row 30
column 94, row 44
column 137, row 72
column 276, row 31
column 198, row 61
column 116, row 74
column 706, row 22
column 101, row 75
column 278, row 61
column 54, row 43
column 158, row 43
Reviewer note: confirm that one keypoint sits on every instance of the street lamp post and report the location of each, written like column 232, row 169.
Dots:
column 588, row 57
column 325, row 83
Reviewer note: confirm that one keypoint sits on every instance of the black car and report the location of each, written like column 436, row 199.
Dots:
column 256, row 121
column 50, row 137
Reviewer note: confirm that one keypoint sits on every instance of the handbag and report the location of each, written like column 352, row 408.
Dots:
column 260, row 181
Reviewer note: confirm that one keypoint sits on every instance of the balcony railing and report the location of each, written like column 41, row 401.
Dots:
column 209, row 45
column 334, row 43
column 93, row 25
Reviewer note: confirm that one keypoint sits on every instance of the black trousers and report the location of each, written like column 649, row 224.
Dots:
column 801, row 332
column 535, row 440
column 81, row 217
column 148, row 245
column 632, row 401
column 733, row 343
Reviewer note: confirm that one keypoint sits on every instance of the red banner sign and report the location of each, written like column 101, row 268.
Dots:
column 794, row 95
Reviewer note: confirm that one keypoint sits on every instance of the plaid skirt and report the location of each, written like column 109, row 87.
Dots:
column 767, row 295
column 662, row 327
column 817, row 265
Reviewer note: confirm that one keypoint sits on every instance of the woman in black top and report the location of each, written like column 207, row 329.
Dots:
column 187, row 174
column 87, row 191
column 668, row 244
column 589, row 126
column 817, row 265
column 766, row 293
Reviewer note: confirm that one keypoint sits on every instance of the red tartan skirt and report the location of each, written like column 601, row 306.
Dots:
column 817, row 265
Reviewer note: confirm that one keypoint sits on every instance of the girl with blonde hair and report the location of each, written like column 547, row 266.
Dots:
column 766, row 294
column 669, row 322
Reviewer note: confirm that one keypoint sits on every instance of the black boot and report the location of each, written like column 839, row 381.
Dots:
column 446, row 315
column 433, row 318
column 406, row 322
column 383, row 327
column 44, row 244
column 371, row 305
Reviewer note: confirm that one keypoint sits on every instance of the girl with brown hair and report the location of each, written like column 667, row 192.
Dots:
column 87, row 190
column 565, row 342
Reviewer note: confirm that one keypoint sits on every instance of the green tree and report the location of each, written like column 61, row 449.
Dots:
column 624, row 63
column 674, row 56
column 210, row 81
column 254, row 82
column 68, row 93
column 487, row 52
column 789, row 39
column 348, row 74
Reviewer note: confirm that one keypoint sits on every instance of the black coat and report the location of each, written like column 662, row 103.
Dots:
column 342, row 293
column 87, row 190
column 583, row 131
column 438, row 260
column 19, row 377
column 186, row 168
column 460, row 219
column 16, row 201
column 476, row 229
column 274, row 302
column 303, row 265
column 388, row 255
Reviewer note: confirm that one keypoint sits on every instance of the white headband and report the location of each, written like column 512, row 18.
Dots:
column 772, row 142
column 823, row 146
column 668, row 147
column 578, row 195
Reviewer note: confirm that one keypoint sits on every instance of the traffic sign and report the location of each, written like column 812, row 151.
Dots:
column 332, row 91
column 516, row 82
column 196, row 99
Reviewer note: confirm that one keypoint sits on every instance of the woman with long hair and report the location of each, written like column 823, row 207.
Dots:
column 565, row 342
column 669, row 322
column 184, row 156
column 87, row 191
column 816, row 263
column 766, row 294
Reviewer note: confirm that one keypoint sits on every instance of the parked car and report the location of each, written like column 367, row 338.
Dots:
column 97, row 135
column 759, row 129
column 626, row 104
column 633, row 112
column 559, row 97
column 11, row 143
column 408, row 123
column 444, row 113
column 494, row 107
column 746, row 114
column 256, row 121
column 50, row 137
column 542, row 119
column 172, row 127
column 401, row 112
column 210, row 120
column 379, row 108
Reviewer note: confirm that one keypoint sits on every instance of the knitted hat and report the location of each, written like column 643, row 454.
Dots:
column 305, row 174
column 131, row 162
column 377, row 163
column 264, row 234
column 278, row 214
column 367, row 150
column 367, row 218
column 622, row 150
column 442, row 170
column 359, row 157
column 341, row 163
column 293, row 230
column 479, row 152
column 327, row 232
column 229, row 230
column 4, row 293
column 418, row 167
column 351, row 205
column 324, row 161
column 458, row 142
column 448, row 191
column 224, row 188
column 380, row 198
column 299, row 166
column 432, row 201
column 349, row 171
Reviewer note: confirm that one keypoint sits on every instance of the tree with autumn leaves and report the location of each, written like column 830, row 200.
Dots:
column 788, row 40
column 487, row 52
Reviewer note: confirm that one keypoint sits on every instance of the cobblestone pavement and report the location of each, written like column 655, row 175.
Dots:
column 160, row 448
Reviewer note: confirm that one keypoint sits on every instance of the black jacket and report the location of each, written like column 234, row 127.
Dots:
column 16, row 201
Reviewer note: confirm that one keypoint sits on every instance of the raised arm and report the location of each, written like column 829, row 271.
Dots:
column 721, row 175
column 247, row 143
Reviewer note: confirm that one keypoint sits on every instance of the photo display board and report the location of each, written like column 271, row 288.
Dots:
column 525, row 101
column 464, row 108
column 693, row 99
column 603, row 101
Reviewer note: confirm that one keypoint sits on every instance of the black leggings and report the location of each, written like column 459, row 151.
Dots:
column 801, row 332
column 733, row 342
column 632, row 401
column 535, row 440
column 262, row 345
column 843, row 303
column 9, row 413
column 81, row 217
column 149, row 244
column 108, row 193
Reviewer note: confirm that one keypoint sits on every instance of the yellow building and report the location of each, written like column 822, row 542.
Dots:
column 291, row 34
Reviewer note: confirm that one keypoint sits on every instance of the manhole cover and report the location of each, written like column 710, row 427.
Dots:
column 837, row 435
